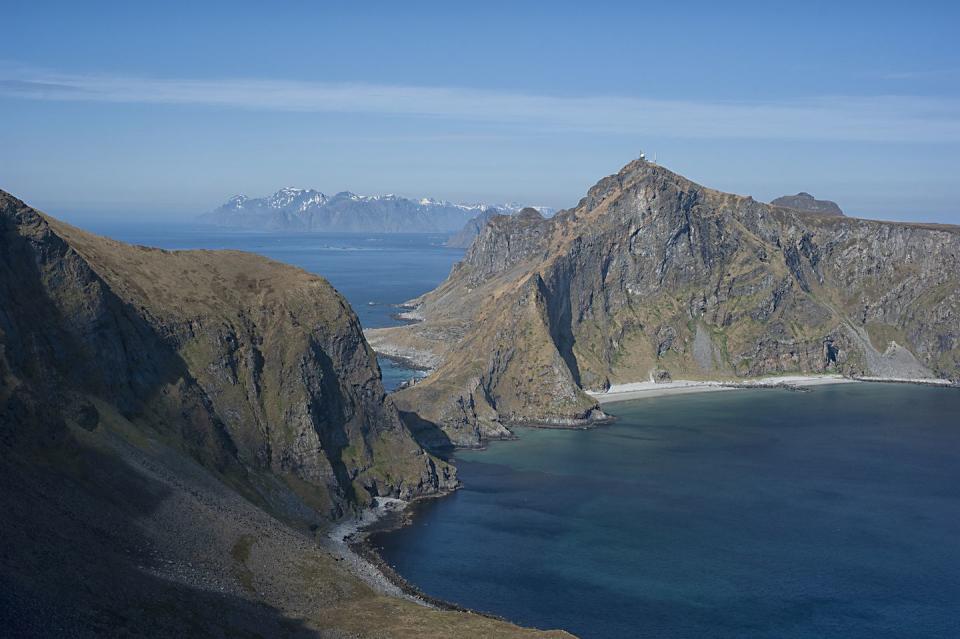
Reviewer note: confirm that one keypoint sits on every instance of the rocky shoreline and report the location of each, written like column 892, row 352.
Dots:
column 406, row 356
column 405, row 361
column 941, row 383
column 405, row 318
column 350, row 542
column 592, row 420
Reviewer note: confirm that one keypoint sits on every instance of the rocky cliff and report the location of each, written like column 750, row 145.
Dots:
column 651, row 273
column 177, row 430
column 251, row 366
column 465, row 236
column 472, row 229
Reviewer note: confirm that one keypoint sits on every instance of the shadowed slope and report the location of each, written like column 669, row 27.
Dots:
column 173, row 425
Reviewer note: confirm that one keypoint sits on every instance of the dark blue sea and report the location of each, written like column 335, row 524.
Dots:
column 375, row 272
column 749, row 513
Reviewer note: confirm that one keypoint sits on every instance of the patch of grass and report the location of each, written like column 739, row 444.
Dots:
column 241, row 554
column 882, row 334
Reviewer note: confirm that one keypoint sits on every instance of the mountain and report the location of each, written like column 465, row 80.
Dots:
column 309, row 210
column 177, row 431
column 465, row 237
column 652, row 274
column 808, row 204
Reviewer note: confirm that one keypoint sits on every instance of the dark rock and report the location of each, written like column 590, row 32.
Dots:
column 808, row 204
column 661, row 376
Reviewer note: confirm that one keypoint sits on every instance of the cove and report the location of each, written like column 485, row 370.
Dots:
column 748, row 513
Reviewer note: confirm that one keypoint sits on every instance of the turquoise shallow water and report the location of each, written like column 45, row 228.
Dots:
column 754, row 513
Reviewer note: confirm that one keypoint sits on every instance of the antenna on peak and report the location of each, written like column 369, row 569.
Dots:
column 643, row 156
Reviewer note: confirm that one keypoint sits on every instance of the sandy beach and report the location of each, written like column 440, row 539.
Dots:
column 639, row 390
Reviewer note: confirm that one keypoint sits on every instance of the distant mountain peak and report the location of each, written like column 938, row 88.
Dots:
column 294, row 208
column 290, row 197
column 806, row 203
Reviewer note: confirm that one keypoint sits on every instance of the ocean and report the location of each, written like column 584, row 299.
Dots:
column 748, row 513
column 374, row 271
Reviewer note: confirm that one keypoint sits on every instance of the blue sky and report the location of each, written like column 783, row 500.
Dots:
column 170, row 108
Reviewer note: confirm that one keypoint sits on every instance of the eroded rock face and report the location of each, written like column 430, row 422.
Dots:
column 258, row 370
column 504, row 241
column 651, row 272
column 465, row 236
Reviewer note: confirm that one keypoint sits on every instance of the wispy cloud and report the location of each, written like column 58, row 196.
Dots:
column 887, row 118
column 921, row 74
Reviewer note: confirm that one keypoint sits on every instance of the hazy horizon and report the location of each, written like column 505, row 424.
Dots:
column 165, row 112
column 111, row 214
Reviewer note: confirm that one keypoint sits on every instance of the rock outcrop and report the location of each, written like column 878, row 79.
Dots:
column 177, row 431
column 465, row 236
column 654, row 273
column 252, row 367
column 808, row 204
column 472, row 229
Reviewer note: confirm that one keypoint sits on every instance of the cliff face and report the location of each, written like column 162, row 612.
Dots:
column 465, row 236
column 173, row 428
column 255, row 369
column 651, row 272
column 474, row 227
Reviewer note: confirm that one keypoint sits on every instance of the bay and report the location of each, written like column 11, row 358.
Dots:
column 749, row 513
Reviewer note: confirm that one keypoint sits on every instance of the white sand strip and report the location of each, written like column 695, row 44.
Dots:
column 638, row 390
column 926, row 381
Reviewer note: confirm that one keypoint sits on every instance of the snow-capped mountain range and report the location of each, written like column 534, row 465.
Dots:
column 306, row 209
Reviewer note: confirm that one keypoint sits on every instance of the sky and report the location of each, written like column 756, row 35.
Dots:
column 167, row 109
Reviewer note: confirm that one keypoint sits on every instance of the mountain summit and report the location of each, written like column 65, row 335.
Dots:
column 652, row 275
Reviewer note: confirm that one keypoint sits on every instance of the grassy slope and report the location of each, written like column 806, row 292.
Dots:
column 114, row 531
column 143, row 520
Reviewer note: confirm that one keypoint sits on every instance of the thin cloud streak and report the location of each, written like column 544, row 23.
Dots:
column 872, row 119
column 923, row 74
